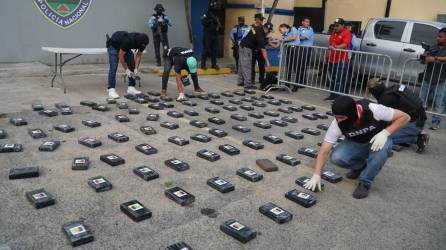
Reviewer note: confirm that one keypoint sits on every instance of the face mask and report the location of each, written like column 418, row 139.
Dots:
column 344, row 105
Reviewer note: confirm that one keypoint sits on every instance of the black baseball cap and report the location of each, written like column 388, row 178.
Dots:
column 268, row 26
column 339, row 21
column 259, row 16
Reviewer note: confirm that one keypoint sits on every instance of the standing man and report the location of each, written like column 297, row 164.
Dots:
column 401, row 98
column 180, row 58
column 236, row 36
column 434, row 79
column 366, row 148
column 306, row 34
column 211, row 27
column 159, row 23
column 257, row 54
column 119, row 47
column 254, row 40
column 340, row 39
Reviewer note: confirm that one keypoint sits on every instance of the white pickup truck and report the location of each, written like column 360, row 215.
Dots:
column 398, row 38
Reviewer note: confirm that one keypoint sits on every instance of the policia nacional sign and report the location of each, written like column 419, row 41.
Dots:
column 63, row 13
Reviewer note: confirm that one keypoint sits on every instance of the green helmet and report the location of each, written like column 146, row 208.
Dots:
column 192, row 64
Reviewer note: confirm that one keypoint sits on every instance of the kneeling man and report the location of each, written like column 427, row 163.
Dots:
column 366, row 127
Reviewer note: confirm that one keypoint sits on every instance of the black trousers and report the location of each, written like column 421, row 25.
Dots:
column 236, row 56
column 257, row 57
column 157, row 40
column 303, row 63
column 210, row 48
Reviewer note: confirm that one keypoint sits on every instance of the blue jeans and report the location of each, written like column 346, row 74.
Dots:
column 353, row 155
column 113, row 60
column 407, row 135
column 439, row 102
column 338, row 73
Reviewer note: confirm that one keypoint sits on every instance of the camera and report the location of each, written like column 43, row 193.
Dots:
column 428, row 51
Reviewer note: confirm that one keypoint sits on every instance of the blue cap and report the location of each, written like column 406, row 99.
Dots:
column 192, row 64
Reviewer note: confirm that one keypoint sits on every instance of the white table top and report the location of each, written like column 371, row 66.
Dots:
column 84, row 51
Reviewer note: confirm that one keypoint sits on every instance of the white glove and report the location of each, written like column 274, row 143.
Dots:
column 129, row 73
column 379, row 140
column 313, row 183
column 135, row 72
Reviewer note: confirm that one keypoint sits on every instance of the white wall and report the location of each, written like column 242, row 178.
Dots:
column 24, row 30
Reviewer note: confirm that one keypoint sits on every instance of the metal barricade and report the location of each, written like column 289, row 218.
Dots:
column 428, row 81
column 333, row 70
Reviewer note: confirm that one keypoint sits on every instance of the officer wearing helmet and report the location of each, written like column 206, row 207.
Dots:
column 180, row 58
column 159, row 24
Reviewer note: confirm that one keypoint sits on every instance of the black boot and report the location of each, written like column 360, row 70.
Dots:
column 355, row 173
column 361, row 191
column 423, row 140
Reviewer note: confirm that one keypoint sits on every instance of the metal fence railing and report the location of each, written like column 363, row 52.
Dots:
column 332, row 70
column 429, row 83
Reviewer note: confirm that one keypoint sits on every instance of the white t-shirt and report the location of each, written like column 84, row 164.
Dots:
column 380, row 113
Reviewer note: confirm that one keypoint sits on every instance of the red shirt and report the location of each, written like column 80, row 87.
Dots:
column 343, row 37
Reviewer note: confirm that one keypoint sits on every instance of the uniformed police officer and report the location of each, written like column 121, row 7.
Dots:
column 159, row 24
column 367, row 144
column 211, row 27
column 236, row 36
column 257, row 54
column 119, row 47
column 180, row 58
column 254, row 39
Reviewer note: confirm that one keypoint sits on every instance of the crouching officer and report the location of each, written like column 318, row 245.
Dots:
column 400, row 97
column 119, row 47
column 254, row 39
column 180, row 58
column 159, row 24
column 367, row 145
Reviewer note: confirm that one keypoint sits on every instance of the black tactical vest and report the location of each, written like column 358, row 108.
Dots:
column 364, row 130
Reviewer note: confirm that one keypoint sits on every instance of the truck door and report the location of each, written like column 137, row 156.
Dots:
column 384, row 37
column 411, row 49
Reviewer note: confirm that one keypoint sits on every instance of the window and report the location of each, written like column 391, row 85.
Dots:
column 392, row 31
column 423, row 33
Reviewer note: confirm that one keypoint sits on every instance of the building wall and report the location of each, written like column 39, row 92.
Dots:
column 24, row 30
column 362, row 10
column 232, row 14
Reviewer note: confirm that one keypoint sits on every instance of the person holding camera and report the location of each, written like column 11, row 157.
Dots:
column 159, row 24
column 180, row 58
column 434, row 79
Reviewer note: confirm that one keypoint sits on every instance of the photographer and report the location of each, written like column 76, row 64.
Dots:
column 434, row 79
column 159, row 23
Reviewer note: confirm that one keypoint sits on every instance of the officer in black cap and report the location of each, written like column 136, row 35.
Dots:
column 257, row 54
column 211, row 27
column 159, row 23
column 253, row 40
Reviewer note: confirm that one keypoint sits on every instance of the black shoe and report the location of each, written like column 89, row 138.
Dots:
column 204, row 67
column 252, row 86
column 361, row 191
column 240, row 84
column 158, row 64
column 423, row 140
column 354, row 174
column 216, row 67
column 295, row 88
column 331, row 97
